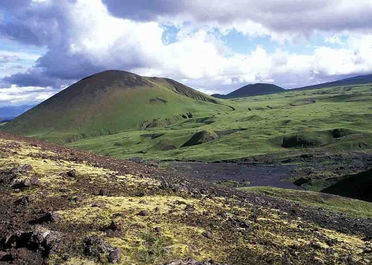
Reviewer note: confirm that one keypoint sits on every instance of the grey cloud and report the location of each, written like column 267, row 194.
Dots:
column 31, row 78
column 144, row 9
column 19, row 32
column 48, row 25
column 14, row 4
column 284, row 15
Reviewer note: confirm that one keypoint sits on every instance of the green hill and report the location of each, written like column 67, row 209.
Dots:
column 252, row 90
column 109, row 102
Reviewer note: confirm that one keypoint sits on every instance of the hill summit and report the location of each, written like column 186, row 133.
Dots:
column 252, row 90
column 109, row 102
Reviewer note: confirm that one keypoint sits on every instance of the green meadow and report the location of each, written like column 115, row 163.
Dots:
column 336, row 119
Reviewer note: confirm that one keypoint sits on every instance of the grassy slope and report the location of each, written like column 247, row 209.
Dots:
column 266, row 120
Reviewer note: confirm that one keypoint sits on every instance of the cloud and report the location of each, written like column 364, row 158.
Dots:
column 4, row 58
column 32, row 77
column 281, row 16
column 80, row 43
column 82, row 37
column 15, row 95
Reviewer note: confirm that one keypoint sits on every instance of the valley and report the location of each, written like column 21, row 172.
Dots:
column 324, row 133
column 318, row 137
column 125, row 169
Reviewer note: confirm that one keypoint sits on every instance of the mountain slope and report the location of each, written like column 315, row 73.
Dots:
column 109, row 102
column 252, row 90
column 356, row 80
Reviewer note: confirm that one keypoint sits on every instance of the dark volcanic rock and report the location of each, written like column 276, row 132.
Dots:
column 34, row 181
column 72, row 173
column 46, row 218
column 338, row 133
column 207, row 234
column 39, row 240
column 23, row 201
column 23, row 184
column 27, row 183
column 113, row 226
column 7, row 176
column 24, row 168
column 114, row 255
column 96, row 248
column 143, row 213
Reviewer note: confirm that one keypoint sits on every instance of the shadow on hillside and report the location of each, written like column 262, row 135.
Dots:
column 357, row 186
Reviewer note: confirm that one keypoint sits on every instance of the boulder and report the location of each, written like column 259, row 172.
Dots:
column 39, row 240
column 46, row 218
column 143, row 213
column 23, row 201
column 207, row 234
column 96, row 248
column 72, row 173
column 26, row 183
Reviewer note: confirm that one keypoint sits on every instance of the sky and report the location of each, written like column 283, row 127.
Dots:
column 214, row 46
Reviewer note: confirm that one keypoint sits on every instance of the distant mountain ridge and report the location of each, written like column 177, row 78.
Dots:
column 252, row 90
column 8, row 113
column 264, row 89
column 356, row 80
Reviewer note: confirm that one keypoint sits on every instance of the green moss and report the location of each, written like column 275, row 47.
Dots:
column 153, row 247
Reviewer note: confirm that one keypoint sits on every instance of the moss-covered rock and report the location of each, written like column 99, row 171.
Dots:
column 201, row 137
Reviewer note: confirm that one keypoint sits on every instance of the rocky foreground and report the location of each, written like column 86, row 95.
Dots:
column 64, row 206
